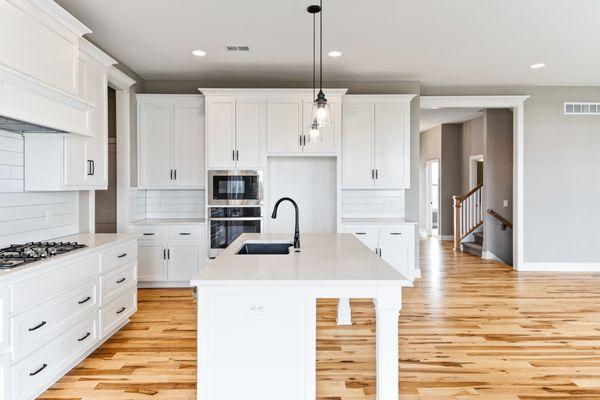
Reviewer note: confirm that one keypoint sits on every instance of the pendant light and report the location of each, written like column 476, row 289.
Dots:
column 314, row 134
column 321, row 111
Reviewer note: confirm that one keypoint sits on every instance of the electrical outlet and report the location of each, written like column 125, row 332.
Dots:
column 257, row 309
column 505, row 203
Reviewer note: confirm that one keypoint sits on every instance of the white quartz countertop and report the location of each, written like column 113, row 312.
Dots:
column 169, row 221
column 378, row 221
column 95, row 242
column 325, row 259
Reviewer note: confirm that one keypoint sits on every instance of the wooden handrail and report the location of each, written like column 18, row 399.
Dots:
column 476, row 188
column 505, row 223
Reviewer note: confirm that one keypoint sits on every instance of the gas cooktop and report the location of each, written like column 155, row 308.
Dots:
column 21, row 254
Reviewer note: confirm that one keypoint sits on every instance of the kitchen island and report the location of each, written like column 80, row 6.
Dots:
column 257, row 315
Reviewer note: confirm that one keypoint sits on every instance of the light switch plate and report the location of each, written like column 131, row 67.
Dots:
column 505, row 203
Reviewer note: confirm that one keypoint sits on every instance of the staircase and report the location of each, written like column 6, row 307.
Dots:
column 468, row 216
column 475, row 247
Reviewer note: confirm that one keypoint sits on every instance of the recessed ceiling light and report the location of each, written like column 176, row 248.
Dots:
column 334, row 53
column 537, row 66
column 199, row 53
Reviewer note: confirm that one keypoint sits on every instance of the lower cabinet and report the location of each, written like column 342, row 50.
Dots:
column 396, row 244
column 5, row 377
column 170, row 254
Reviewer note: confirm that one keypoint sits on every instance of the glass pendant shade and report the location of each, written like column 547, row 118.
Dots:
column 321, row 112
column 314, row 134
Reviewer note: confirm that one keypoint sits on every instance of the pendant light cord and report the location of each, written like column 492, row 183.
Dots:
column 321, row 46
column 314, row 56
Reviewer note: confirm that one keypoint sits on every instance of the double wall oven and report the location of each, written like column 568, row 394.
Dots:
column 234, row 207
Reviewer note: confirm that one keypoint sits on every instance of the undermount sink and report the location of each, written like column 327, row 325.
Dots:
column 264, row 248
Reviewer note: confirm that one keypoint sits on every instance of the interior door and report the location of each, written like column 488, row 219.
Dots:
column 390, row 120
column 396, row 253
column 184, row 260
column 152, row 263
column 220, row 114
column 249, row 121
column 188, row 146
column 284, row 125
column 357, row 145
column 156, row 125
column 328, row 143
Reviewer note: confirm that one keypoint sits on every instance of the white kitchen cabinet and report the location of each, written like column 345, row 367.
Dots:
column 73, row 162
column 376, row 142
column 5, row 381
column 396, row 244
column 169, row 254
column 170, row 141
column 234, row 132
column 4, row 326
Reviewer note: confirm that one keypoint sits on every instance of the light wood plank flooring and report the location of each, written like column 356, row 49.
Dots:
column 469, row 329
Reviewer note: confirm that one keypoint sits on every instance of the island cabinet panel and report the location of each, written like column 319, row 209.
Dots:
column 171, row 141
column 376, row 142
column 5, row 386
column 260, row 340
column 4, row 324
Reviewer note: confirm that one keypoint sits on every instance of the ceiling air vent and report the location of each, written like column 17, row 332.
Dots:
column 237, row 48
column 582, row 108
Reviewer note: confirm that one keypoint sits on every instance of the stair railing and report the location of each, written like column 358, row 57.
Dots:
column 468, row 214
column 505, row 223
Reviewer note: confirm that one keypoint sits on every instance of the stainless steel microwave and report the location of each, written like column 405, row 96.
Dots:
column 235, row 188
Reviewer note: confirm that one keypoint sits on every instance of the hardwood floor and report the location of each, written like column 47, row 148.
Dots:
column 469, row 329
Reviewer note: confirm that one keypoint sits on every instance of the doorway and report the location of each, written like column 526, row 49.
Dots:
column 433, row 197
column 475, row 170
column 106, row 200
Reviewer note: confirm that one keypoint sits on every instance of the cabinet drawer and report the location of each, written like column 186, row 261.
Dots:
column 118, row 256
column 186, row 232
column 41, row 288
column 362, row 232
column 38, row 371
column 117, row 282
column 149, row 232
column 396, row 232
column 118, row 312
column 39, row 325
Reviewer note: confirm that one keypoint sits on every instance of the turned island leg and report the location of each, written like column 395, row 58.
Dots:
column 387, row 310
column 344, row 313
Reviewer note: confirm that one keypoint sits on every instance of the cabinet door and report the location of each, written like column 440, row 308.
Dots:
column 358, row 126
column 391, row 134
column 152, row 263
column 284, row 125
column 4, row 328
column 76, row 162
column 249, row 125
column 96, row 93
column 155, row 132
column 188, row 146
column 184, row 260
column 328, row 145
column 396, row 254
column 5, row 382
column 220, row 135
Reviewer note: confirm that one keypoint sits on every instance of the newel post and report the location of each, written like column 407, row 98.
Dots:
column 457, row 206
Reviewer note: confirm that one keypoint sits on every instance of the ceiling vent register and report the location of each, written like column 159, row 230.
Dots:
column 582, row 109
column 237, row 48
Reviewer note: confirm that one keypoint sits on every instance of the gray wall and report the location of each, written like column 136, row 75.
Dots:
column 472, row 144
column 430, row 149
column 498, row 175
column 450, row 173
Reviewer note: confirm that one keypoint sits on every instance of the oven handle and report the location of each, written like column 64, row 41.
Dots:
column 236, row 219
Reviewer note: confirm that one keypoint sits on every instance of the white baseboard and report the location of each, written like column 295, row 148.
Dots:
column 558, row 267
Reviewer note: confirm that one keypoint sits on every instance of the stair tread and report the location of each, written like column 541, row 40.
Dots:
column 478, row 234
column 473, row 245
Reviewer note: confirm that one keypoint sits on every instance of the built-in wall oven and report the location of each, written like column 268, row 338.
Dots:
column 227, row 223
column 240, row 188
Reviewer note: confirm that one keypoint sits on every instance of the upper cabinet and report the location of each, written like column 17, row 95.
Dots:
column 171, row 141
column 376, row 142
column 288, row 124
column 235, row 128
column 75, row 162
column 39, row 66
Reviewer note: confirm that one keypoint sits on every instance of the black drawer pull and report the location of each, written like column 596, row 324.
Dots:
column 122, row 255
column 84, row 300
column 148, row 234
column 35, row 328
column 121, row 310
column 121, row 280
column 360, row 233
column 395, row 233
column 43, row 367
column 184, row 233
column 84, row 337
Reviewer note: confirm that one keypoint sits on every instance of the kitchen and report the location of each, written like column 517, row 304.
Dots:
column 193, row 173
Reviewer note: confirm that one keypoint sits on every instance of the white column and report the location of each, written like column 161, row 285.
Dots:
column 344, row 313
column 388, row 304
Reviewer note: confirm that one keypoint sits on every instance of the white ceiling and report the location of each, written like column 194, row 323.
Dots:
column 437, row 42
column 429, row 118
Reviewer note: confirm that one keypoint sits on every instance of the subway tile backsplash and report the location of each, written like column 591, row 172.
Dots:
column 373, row 203
column 166, row 204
